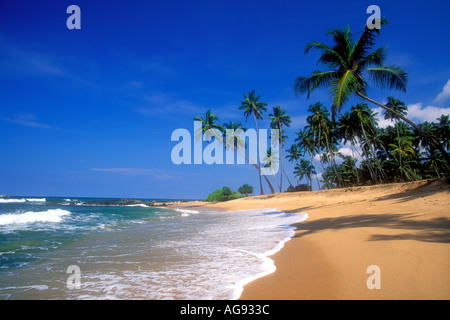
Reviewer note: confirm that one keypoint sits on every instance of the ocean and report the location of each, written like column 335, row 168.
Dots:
column 133, row 251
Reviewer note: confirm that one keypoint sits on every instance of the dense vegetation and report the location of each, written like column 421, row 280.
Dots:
column 223, row 194
column 403, row 151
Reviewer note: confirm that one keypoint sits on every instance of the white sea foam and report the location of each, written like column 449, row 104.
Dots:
column 137, row 205
column 187, row 211
column 52, row 215
column 36, row 199
column 12, row 200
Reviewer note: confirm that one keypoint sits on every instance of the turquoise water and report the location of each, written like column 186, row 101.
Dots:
column 133, row 252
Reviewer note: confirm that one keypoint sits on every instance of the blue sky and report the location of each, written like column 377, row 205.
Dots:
column 90, row 112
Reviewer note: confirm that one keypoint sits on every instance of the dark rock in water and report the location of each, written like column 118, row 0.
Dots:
column 117, row 202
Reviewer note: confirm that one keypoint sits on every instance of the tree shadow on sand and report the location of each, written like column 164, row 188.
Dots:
column 434, row 230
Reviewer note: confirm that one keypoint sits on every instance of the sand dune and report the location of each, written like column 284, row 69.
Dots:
column 404, row 229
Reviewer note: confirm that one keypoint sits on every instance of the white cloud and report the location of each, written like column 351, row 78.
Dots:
column 416, row 112
column 29, row 120
column 163, row 104
column 444, row 94
column 382, row 123
column 429, row 113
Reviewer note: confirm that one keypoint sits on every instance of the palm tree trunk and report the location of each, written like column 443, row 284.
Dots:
column 368, row 164
column 333, row 162
column 258, row 156
column 281, row 155
column 383, row 176
column 400, row 153
column 356, row 167
column 287, row 177
column 412, row 124
column 247, row 157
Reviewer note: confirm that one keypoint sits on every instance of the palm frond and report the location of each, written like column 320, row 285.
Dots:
column 389, row 76
column 318, row 79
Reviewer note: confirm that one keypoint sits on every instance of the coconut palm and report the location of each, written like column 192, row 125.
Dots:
column 280, row 118
column 351, row 62
column 305, row 143
column 366, row 118
column 319, row 121
column 209, row 127
column 236, row 142
column 400, row 108
column 252, row 106
column 347, row 130
column 293, row 153
column 304, row 169
column 269, row 162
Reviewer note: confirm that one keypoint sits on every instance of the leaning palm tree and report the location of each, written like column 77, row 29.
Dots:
column 351, row 62
column 234, row 141
column 269, row 162
column 400, row 108
column 278, row 118
column 252, row 106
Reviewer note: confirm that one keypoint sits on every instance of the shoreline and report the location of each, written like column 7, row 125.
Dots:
column 403, row 228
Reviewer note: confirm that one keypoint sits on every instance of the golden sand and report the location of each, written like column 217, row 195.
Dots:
column 403, row 229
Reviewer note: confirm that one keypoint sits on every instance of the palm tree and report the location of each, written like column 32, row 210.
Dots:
column 400, row 108
column 279, row 118
column 304, row 169
column 207, row 124
column 442, row 130
column 350, row 63
column 269, row 161
column 252, row 106
column 236, row 142
column 366, row 118
column 305, row 143
column 293, row 153
column 319, row 121
column 347, row 130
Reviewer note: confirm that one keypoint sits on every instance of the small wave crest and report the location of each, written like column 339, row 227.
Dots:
column 36, row 199
column 12, row 200
column 53, row 215
column 186, row 212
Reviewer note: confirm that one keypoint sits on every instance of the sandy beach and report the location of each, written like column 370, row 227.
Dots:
column 401, row 228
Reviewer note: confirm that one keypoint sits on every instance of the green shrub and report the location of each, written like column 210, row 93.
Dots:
column 223, row 194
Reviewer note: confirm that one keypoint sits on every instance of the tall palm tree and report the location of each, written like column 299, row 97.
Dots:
column 442, row 130
column 304, row 169
column 305, row 143
column 400, row 108
column 278, row 118
column 350, row 63
column 271, row 160
column 237, row 143
column 234, row 140
column 207, row 124
column 366, row 118
column 319, row 121
column 252, row 106
column 347, row 130
column 293, row 153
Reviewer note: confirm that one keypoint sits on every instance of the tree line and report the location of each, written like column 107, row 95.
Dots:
column 404, row 151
